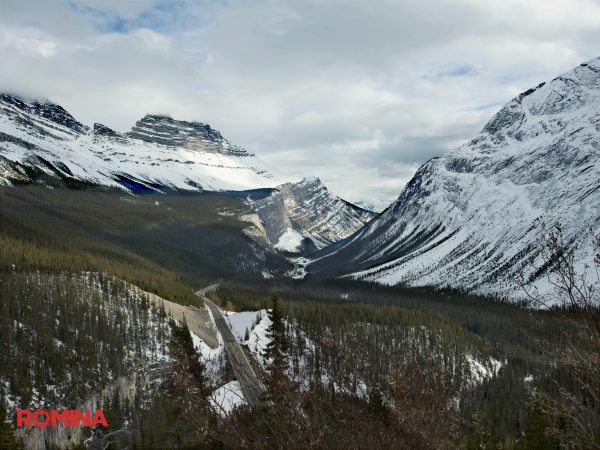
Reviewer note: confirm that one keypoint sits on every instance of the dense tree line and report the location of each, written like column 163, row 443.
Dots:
column 341, row 375
column 174, row 412
column 64, row 337
column 165, row 244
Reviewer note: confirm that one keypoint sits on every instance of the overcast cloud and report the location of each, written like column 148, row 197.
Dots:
column 359, row 93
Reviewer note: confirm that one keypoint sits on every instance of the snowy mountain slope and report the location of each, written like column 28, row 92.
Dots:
column 42, row 142
column 158, row 153
column 305, row 215
column 469, row 219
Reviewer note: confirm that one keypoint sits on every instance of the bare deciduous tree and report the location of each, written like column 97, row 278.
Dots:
column 576, row 412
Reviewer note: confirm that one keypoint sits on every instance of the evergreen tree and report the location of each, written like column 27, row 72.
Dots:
column 537, row 425
column 8, row 441
column 276, row 349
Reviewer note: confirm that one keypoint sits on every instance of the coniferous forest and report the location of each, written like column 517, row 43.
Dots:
column 349, row 365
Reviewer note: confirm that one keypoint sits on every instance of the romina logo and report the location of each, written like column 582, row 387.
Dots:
column 42, row 418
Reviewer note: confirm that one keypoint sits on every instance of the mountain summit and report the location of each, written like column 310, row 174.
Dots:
column 167, row 131
column 471, row 219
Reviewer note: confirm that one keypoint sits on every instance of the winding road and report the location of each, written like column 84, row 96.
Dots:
column 249, row 382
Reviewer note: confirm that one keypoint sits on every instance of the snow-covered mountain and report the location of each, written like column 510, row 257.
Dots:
column 306, row 216
column 42, row 142
column 159, row 153
column 469, row 219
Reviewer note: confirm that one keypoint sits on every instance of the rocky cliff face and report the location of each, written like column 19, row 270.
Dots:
column 176, row 133
column 304, row 216
column 471, row 219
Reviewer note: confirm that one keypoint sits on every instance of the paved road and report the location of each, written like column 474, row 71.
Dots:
column 198, row 319
column 249, row 382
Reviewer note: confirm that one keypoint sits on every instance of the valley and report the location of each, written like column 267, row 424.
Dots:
column 169, row 277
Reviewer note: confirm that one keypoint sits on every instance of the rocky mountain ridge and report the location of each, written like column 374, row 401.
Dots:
column 304, row 216
column 159, row 153
column 472, row 219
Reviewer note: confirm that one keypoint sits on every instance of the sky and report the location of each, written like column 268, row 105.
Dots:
column 358, row 93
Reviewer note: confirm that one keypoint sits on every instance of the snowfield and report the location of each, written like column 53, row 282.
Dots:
column 227, row 397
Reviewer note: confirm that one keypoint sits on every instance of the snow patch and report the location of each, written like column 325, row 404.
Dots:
column 227, row 397
column 290, row 241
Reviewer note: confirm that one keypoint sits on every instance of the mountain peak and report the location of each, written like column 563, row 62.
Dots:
column 44, row 109
column 101, row 129
column 546, row 108
column 470, row 219
column 163, row 129
column 310, row 181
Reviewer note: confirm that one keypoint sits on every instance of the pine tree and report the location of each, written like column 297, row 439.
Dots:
column 277, row 347
column 8, row 441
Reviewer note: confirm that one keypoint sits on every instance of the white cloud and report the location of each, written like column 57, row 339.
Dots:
column 358, row 93
column 27, row 42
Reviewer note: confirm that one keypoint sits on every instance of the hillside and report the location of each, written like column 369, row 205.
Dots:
column 472, row 219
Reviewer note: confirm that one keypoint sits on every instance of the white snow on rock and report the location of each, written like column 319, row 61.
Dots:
column 306, row 210
column 242, row 321
column 290, row 241
column 159, row 153
column 299, row 270
column 213, row 358
column 259, row 338
column 482, row 370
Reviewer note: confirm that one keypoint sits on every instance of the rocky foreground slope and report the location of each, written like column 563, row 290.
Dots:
column 472, row 218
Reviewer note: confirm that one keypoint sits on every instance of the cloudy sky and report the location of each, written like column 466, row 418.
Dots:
column 359, row 93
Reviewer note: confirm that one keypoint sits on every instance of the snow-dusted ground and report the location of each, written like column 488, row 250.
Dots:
column 243, row 321
column 299, row 271
column 213, row 358
column 481, row 371
column 259, row 338
column 227, row 397
column 480, row 368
